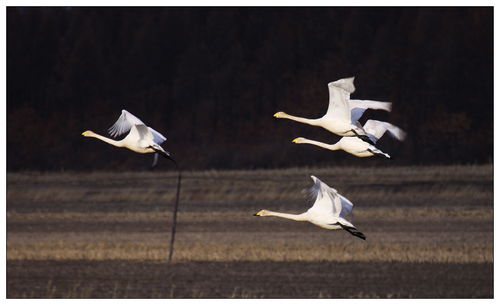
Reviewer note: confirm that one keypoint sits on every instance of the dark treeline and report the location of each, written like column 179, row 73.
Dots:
column 210, row 79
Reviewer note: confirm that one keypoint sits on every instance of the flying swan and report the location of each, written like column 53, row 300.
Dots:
column 343, row 114
column 141, row 139
column 355, row 146
column 329, row 210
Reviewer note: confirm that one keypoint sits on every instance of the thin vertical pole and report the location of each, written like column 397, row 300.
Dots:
column 174, row 218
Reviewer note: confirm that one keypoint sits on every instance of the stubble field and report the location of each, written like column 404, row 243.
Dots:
column 106, row 235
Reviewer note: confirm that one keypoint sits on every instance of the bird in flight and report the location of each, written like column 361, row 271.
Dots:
column 355, row 146
column 342, row 115
column 329, row 211
column 140, row 138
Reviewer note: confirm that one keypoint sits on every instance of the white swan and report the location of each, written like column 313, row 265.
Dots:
column 329, row 210
column 355, row 146
column 141, row 139
column 343, row 114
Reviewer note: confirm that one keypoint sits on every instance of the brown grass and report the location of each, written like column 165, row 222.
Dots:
column 254, row 251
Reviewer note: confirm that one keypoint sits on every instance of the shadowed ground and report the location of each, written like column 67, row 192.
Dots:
column 126, row 279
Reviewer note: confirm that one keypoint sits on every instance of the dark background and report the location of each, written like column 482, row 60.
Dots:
column 210, row 80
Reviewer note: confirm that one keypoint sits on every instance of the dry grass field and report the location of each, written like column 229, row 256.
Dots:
column 105, row 235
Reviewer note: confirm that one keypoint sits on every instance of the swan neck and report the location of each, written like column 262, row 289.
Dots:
column 313, row 122
column 297, row 217
column 107, row 140
column 321, row 144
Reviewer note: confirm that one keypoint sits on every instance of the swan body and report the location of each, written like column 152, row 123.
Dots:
column 140, row 138
column 329, row 211
column 342, row 115
column 355, row 146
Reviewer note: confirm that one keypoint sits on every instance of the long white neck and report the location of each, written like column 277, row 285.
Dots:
column 299, row 217
column 107, row 140
column 313, row 122
column 335, row 146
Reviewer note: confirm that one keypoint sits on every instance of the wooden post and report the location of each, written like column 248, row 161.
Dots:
column 174, row 218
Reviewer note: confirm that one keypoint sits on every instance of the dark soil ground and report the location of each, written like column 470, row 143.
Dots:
column 130, row 279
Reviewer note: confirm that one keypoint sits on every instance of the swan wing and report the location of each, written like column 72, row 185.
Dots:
column 376, row 129
column 347, row 84
column 358, row 107
column 339, row 91
column 328, row 201
column 124, row 123
column 346, row 207
column 155, row 160
column 158, row 138
column 143, row 132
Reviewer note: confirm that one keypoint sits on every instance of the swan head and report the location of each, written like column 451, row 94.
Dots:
column 298, row 140
column 88, row 133
column 262, row 213
column 279, row 114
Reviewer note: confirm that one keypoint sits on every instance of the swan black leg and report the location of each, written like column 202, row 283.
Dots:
column 379, row 154
column 352, row 230
column 165, row 154
column 363, row 137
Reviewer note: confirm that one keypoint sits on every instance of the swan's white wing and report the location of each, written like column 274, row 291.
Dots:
column 158, row 138
column 124, row 123
column 376, row 129
column 347, row 84
column 327, row 199
column 387, row 106
column 346, row 207
column 141, row 134
column 338, row 106
column 155, row 160
column 358, row 107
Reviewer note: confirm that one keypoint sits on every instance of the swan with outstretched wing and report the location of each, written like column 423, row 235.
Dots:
column 140, row 138
column 342, row 115
column 329, row 211
column 357, row 147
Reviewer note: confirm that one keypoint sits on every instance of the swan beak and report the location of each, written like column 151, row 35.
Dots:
column 258, row 213
column 84, row 133
column 296, row 140
column 276, row 114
